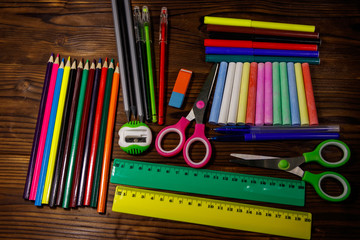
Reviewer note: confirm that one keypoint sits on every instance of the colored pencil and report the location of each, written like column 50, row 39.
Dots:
column 234, row 101
column 75, row 138
column 56, row 135
column 260, row 95
column 259, row 45
column 252, row 58
column 108, row 142
column 261, row 31
column 95, row 137
column 44, row 127
column 64, row 127
column 69, row 134
column 102, row 134
column 285, row 99
column 294, row 103
column 268, row 108
column 82, row 136
column 49, row 135
column 241, row 116
column 258, row 24
column 39, row 122
column 218, row 94
column 89, row 134
column 304, row 116
column 276, row 94
column 225, row 103
column 310, row 100
column 251, row 102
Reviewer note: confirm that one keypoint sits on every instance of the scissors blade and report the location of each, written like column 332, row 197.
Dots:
column 286, row 164
column 250, row 156
column 204, row 95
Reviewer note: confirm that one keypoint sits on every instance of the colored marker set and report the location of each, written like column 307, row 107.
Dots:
column 264, row 94
column 74, row 132
column 243, row 40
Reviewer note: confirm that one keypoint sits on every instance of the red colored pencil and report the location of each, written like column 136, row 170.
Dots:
column 251, row 102
column 95, row 138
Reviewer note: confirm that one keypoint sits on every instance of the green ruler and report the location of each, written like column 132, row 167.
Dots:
column 212, row 212
column 208, row 182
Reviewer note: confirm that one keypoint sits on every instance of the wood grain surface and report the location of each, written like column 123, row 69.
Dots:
column 31, row 30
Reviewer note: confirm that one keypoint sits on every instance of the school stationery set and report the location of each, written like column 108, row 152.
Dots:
column 263, row 91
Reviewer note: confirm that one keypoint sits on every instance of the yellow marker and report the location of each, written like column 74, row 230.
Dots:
column 258, row 24
column 304, row 116
column 57, row 127
column 244, row 89
column 212, row 212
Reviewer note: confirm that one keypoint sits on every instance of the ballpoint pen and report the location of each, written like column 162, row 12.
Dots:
column 146, row 24
column 141, row 55
column 163, row 41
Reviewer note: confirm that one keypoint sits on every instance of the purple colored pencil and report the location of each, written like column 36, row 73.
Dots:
column 268, row 109
column 39, row 121
column 260, row 95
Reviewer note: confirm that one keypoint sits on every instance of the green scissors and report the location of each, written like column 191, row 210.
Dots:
column 292, row 165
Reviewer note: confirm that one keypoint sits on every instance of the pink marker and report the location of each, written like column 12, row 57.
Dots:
column 268, row 110
column 260, row 96
column 44, row 128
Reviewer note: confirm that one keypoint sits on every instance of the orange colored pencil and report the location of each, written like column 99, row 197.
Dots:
column 108, row 142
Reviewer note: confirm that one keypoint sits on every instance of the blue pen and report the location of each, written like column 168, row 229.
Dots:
column 260, row 52
column 294, row 104
column 49, row 135
column 216, row 103
column 274, row 136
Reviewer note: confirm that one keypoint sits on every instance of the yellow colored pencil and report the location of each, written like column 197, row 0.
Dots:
column 244, row 88
column 57, row 127
column 304, row 116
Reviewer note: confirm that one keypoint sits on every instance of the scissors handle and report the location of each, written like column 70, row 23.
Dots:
column 316, row 155
column 316, row 179
column 198, row 136
column 178, row 128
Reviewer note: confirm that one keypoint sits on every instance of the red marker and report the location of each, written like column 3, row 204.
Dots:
column 163, row 42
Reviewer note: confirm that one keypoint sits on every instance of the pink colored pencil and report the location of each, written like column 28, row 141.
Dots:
column 251, row 102
column 260, row 95
column 268, row 109
column 39, row 155
column 310, row 100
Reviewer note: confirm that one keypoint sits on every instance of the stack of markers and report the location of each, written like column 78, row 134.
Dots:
column 73, row 137
column 264, row 94
column 244, row 40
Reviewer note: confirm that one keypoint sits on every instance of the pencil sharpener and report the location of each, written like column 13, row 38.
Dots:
column 135, row 137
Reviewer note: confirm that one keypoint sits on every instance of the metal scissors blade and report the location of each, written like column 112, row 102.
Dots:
column 204, row 95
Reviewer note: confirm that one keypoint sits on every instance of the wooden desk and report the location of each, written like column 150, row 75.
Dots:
column 31, row 30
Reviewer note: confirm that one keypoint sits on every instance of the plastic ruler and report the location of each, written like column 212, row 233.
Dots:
column 208, row 182
column 212, row 212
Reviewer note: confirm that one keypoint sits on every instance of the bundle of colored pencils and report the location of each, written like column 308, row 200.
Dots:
column 71, row 150
column 244, row 40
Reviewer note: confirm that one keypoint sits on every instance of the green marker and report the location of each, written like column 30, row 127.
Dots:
column 146, row 24
column 276, row 95
column 285, row 99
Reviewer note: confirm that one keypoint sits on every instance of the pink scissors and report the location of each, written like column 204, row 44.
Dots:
column 197, row 113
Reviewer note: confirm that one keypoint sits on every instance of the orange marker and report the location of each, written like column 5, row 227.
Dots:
column 310, row 100
column 251, row 102
column 180, row 87
column 108, row 142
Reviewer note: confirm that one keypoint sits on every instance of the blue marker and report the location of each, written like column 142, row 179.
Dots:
column 49, row 135
column 294, row 104
column 217, row 99
column 260, row 52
